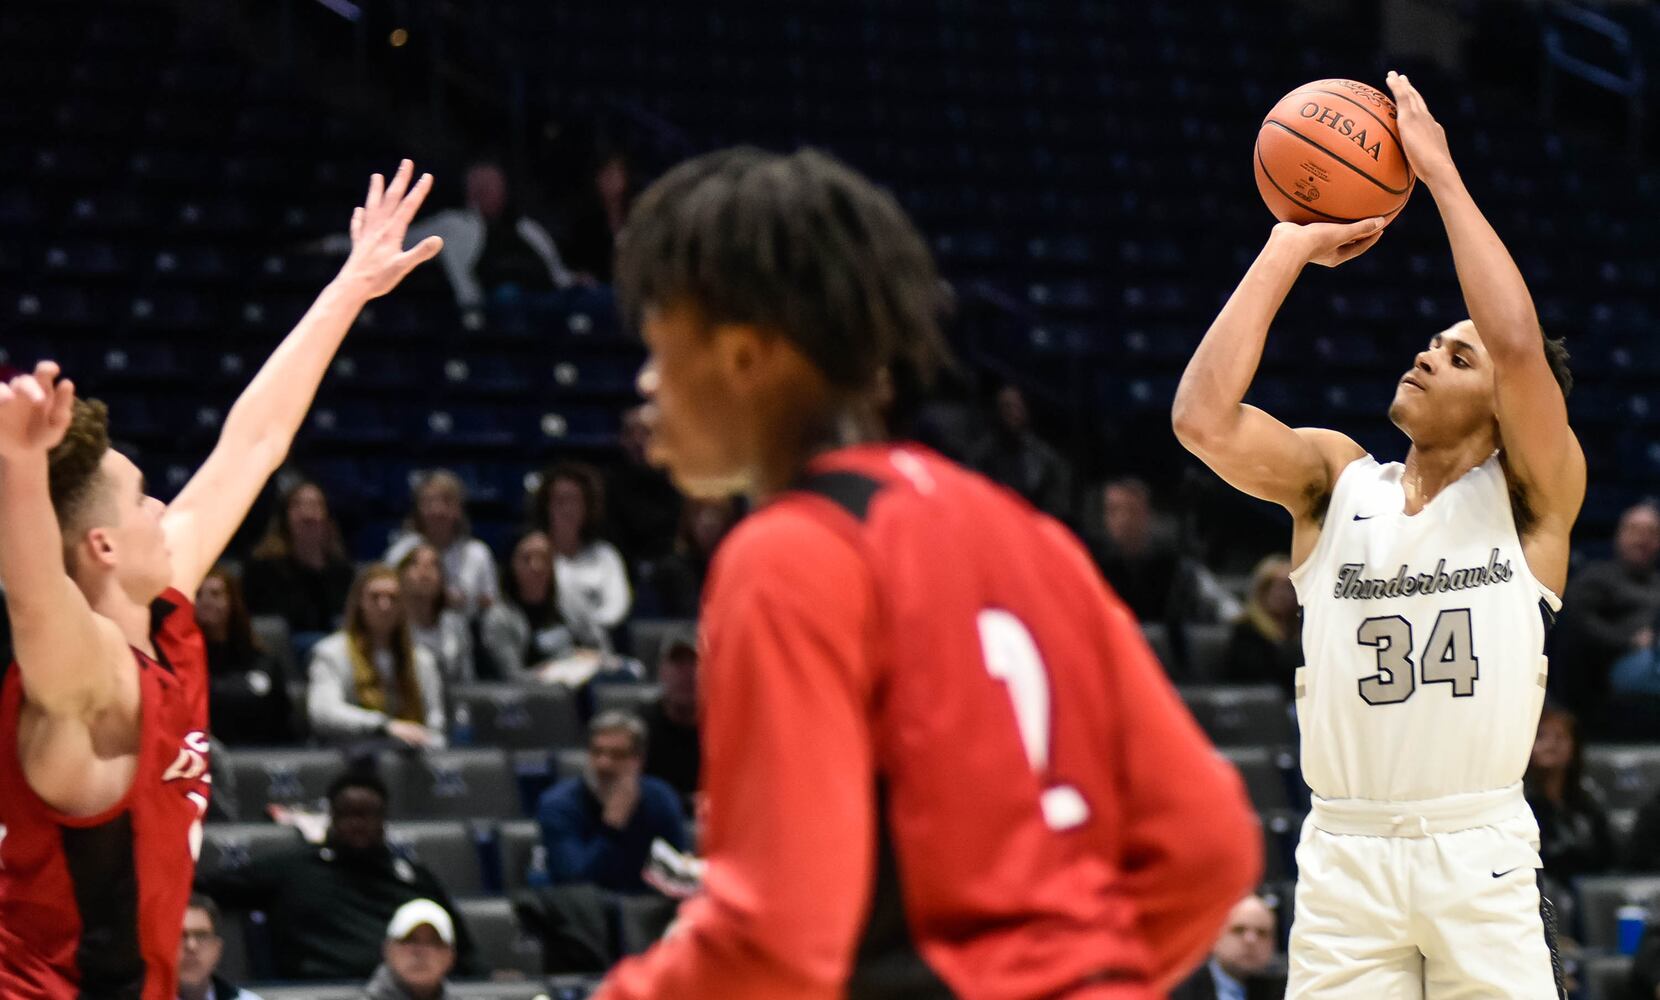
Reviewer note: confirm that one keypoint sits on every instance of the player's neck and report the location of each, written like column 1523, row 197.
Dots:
column 1432, row 468
column 132, row 618
column 782, row 456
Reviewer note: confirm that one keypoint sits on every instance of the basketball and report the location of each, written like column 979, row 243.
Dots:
column 1330, row 151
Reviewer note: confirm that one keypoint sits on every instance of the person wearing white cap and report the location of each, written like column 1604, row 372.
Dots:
column 418, row 953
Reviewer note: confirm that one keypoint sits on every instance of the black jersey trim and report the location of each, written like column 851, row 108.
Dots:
column 104, row 877
column 160, row 609
column 851, row 491
column 888, row 965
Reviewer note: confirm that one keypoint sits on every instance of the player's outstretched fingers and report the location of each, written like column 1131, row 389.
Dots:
column 412, row 202
column 377, row 187
column 357, row 223
column 400, row 182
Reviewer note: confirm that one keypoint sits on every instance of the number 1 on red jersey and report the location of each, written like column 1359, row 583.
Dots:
column 1012, row 657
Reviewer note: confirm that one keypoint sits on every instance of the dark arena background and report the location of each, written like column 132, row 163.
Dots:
column 176, row 180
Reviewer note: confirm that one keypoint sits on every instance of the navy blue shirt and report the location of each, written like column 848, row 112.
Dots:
column 583, row 848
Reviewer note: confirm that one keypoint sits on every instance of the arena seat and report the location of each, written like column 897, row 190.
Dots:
column 1628, row 775
column 520, row 716
column 502, row 946
column 1265, row 777
column 448, row 847
column 475, row 782
column 1600, row 896
column 626, row 697
column 1235, row 715
column 516, row 840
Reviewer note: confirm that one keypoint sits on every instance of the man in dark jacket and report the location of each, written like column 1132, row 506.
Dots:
column 1239, row 964
column 1609, row 610
column 200, row 948
column 598, row 828
column 329, row 906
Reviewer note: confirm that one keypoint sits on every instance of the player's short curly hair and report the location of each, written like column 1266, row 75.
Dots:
column 74, row 474
column 798, row 245
column 1556, row 354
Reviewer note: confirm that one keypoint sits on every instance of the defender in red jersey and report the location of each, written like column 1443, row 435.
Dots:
column 939, row 759
column 103, row 714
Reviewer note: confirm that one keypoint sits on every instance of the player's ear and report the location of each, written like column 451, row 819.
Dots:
column 98, row 546
column 743, row 353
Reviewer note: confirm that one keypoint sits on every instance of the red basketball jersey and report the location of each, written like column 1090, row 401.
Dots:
column 94, row 906
column 940, row 761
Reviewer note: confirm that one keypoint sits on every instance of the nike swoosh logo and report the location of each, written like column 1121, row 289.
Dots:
column 1502, row 874
column 1368, row 517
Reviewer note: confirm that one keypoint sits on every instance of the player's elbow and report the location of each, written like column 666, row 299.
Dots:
column 1198, row 424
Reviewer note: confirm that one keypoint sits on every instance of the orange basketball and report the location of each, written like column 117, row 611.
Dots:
column 1330, row 151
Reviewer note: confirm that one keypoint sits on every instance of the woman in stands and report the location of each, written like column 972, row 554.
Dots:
column 248, row 690
column 439, row 518
column 299, row 570
column 1266, row 646
column 524, row 628
column 1574, row 835
column 371, row 680
column 594, row 595
column 443, row 631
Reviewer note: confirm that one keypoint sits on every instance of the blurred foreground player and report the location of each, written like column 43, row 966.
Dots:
column 103, row 715
column 1427, row 588
column 939, row 760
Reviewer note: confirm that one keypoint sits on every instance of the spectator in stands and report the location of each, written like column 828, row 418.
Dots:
column 329, row 906
column 442, row 630
column 1140, row 561
column 1014, row 455
column 598, row 828
column 370, row 680
column 679, row 577
column 524, row 627
column 299, row 570
column 1609, row 610
column 1574, row 835
column 248, row 690
column 419, row 952
column 672, row 750
column 1266, row 645
column 200, row 949
column 490, row 248
column 598, row 215
column 644, row 505
column 589, row 574
column 1239, row 964
column 440, row 519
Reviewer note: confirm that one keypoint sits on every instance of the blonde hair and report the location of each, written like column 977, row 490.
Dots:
column 1269, row 569
column 370, row 692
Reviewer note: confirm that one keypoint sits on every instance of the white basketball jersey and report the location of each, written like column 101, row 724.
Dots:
column 1423, row 640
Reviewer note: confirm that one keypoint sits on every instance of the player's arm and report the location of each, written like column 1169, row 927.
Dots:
column 261, row 425
column 69, row 657
column 1250, row 449
column 791, row 852
column 1192, row 843
column 1539, row 447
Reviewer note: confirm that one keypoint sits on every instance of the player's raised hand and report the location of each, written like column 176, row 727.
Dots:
column 1330, row 243
column 34, row 411
column 1423, row 138
column 378, row 260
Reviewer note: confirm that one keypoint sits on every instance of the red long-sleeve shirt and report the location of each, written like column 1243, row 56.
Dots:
column 939, row 761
